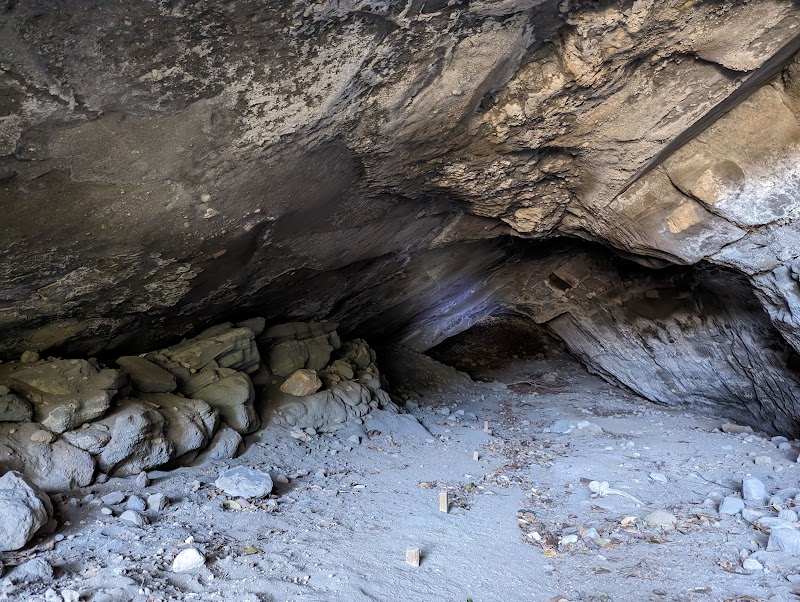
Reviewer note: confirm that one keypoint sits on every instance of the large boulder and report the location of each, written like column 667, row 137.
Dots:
column 146, row 376
column 224, row 344
column 322, row 411
column 138, row 441
column 47, row 460
column 24, row 510
column 64, row 393
column 190, row 422
column 232, row 395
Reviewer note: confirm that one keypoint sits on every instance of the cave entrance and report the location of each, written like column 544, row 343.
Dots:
column 509, row 349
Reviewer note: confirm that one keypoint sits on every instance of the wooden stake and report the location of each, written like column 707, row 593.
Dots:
column 444, row 505
column 412, row 556
column 476, row 456
column 485, row 426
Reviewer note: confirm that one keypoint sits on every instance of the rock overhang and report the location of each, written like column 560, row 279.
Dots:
column 368, row 163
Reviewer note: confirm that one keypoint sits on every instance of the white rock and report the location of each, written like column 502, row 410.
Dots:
column 659, row 477
column 133, row 517
column 157, row 501
column 189, row 559
column 569, row 539
column 245, row 482
column 753, row 490
column 731, row 505
column 751, row 564
column 661, row 519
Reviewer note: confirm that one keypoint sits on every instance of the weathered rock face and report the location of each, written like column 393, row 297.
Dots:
column 166, row 165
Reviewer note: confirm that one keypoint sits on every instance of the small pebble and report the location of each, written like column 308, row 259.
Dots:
column 133, row 517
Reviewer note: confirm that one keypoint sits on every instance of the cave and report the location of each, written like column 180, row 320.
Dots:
column 367, row 299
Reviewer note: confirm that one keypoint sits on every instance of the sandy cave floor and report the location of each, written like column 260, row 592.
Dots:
column 340, row 527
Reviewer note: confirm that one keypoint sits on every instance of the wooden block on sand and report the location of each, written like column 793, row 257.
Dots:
column 444, row 505
column 413, row 556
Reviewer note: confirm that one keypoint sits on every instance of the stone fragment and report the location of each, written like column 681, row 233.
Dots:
column 661, row 519
column 245, row 482
column 187, row 560
column 14, row 408
column 53, row 466
column 64, row 393
column 731, row 505
column 658, row 477
column 784, row 540
column 301, row 383
column 146, row 376
column 133, row 517
column 157, row 502
column 37, row 570
column 136, row 503
column 753, row 490
column 226, row 444
column 751, row 564
column 233, row 397
column 29, row 357
column 24, row 509
column 751, row 516
column 113, row 498
column 138, row 439
column 142, row 480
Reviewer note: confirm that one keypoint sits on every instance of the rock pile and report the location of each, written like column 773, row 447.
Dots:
column 315, row 383
column 64, row 420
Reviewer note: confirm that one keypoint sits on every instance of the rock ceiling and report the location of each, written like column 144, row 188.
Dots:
column 624, row 172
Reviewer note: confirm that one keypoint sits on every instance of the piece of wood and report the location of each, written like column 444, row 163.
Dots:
column 476, row 456
column 413, row 556
column 444, row 502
